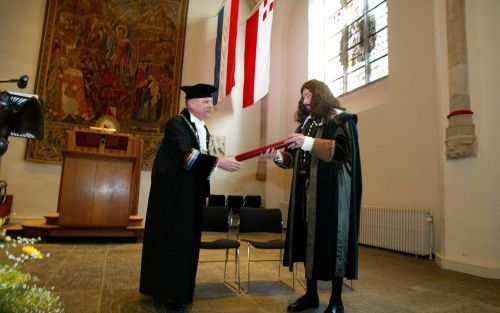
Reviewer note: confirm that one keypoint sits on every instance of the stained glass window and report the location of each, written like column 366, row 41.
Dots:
column 355, row 39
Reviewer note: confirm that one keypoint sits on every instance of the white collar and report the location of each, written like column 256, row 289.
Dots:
column 315, row 123
column 196, row 120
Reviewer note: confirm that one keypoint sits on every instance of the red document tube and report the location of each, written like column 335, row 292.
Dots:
column 257, row 152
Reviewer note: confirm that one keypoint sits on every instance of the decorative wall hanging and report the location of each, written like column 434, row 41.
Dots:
column 109, row 57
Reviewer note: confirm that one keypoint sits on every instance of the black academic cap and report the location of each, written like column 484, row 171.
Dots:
column 198, row 91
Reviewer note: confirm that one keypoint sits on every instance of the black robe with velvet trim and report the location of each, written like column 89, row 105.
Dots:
column 179, row 186
column 328, row 241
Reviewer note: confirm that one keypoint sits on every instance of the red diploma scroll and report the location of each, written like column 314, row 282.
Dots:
column 257, row 152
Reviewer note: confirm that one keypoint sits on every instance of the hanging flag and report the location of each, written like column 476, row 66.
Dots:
column 258, row 53
column 225, row 49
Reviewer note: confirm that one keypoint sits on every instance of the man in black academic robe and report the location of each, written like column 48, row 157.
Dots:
column 325, row 198
column 179, row 187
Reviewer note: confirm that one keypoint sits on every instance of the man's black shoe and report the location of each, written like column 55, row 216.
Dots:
column 176, row 307
column 303, row 303
column 170, row 306
column 335, row 308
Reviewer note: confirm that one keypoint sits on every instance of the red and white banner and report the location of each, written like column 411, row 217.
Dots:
column 258, row 53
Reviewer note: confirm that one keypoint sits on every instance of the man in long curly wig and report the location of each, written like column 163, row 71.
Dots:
column 323, row 216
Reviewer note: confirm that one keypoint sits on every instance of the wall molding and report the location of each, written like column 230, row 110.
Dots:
column 472, row 269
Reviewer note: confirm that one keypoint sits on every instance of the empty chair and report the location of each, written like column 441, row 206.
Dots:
column 216, row 219
column 252, row 202
column 234, row 203
column 216, row 200
column 259, row 220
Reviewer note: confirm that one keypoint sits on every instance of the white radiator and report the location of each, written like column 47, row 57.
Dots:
column 400, row 229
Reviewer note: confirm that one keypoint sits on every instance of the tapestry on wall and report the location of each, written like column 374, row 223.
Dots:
column 121, row 58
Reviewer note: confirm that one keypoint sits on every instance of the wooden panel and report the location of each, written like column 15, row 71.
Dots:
column 135, row 147
column 100, row 179
column 6, row 207
column 112, row 192
column 76, row 195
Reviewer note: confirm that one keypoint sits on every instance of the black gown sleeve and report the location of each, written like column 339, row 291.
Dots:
column 187, row 154
column 335, row 145
column 342, row 152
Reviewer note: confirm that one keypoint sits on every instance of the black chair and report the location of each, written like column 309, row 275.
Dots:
column 259, row 220
column 216, row 200
column 234, row 204
column 252, row 202
column 216, row 219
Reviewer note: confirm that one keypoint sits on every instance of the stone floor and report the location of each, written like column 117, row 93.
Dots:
column 104, row 277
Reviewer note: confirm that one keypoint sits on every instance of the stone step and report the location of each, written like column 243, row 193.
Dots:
column 52, row 219
column 13, row 230
column 135, row 220
column 38, row 224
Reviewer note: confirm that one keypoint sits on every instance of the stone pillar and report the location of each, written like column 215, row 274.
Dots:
column 262, row 164
column 460, row 134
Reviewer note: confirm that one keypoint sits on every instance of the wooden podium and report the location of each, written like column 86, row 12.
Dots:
column 99, row 188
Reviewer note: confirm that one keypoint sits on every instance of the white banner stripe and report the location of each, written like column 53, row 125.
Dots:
column 262, row 62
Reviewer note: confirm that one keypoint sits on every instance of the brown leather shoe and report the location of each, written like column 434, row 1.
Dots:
column 303, row 303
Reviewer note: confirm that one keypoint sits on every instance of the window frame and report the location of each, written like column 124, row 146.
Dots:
column 319, row 36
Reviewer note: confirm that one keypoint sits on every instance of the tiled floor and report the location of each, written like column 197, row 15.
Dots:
column 104, row 277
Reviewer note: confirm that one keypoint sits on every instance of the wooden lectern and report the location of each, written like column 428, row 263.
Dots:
column 100, row 179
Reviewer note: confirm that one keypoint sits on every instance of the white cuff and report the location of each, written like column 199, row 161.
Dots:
column 307, row 144
column 278, row 158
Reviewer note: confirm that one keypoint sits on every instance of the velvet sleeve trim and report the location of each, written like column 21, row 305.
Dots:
column 287, row 162
column 323, row 149
column 191, row 158
column 199, row 163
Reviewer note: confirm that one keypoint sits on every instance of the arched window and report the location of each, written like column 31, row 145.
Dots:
column 348, row 42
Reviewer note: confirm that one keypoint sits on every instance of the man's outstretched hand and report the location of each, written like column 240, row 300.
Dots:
column 229, row 163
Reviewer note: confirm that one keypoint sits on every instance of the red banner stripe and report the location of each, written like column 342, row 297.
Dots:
column 231, row 57
column 252, row 27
